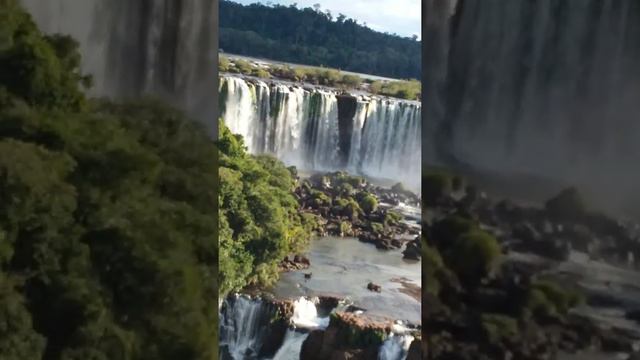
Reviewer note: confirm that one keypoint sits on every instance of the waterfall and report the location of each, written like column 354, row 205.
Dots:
column 305, row 315
column 291, row 347
column 163, row 48
column 246, row 325
column 319, row 129
column 549, row 88
column 244, row 322
column 396, row 347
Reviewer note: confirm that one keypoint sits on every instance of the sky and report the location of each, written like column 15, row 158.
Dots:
column 402, row 17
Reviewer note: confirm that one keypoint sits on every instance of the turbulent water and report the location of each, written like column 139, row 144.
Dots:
column 546, row 87
column 164, row 48
column 396, row 347
column 317, row 129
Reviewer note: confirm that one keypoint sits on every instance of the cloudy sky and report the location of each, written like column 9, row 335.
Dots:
column 394, row 16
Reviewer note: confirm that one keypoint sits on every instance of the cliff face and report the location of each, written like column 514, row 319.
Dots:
column 546, row 87
column 164, row 48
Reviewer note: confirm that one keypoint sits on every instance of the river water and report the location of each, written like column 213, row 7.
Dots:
column 344, row 266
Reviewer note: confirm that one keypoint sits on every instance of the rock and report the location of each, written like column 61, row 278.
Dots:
column 312, row 346
column 373, row 287
column 413, row 250
column 634, row 315
column 415, row 350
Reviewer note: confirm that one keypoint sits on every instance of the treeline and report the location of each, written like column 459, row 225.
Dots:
column 108, row 246
column 313, row 37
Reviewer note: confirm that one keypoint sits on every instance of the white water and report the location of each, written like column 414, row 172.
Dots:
column 242, row 327
column 302, row 127
column 244, row 322
column 305, row 315
column 396, row 347
column 291, row 347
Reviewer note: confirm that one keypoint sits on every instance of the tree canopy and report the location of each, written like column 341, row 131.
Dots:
column 313, row 37
column 108, row 238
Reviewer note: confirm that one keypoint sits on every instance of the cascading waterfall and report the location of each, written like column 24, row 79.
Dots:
column 396, row 347
column 163, row 48
column 291, row 346
column 245, row 324
column 549, row 88
column 318, row 129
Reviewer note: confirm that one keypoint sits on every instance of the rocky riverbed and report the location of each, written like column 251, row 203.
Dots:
column 550, row 282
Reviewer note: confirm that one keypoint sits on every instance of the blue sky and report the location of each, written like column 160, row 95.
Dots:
column 402, row 17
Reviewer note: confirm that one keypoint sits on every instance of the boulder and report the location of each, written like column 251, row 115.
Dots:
column 373, row 287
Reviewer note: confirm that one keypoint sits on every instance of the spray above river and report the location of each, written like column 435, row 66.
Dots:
column 320, row 129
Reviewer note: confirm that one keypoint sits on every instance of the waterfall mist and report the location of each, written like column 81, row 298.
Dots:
column 163, row 48
column 549, row 88
column 317, row 129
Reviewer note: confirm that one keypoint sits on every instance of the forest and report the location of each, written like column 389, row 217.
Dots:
column 315, row 37
column 108, row 238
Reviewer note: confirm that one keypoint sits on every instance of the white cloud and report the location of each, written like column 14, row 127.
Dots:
column 402, row 17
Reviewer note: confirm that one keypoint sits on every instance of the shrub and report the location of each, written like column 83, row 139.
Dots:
column 561, row 300
column 376, row 227
column 446, row 232
column 369, row 203
column 223, row 64
column 435, row 187
column 392, row 218
column 345, row 228
column 567, row 205
column 475, row 255
column 498, row 327
column 261, row 73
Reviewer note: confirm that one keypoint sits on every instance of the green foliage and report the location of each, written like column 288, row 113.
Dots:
column 392, row 218
column 445, row 233
column 404, row 89
column 41, row 70
column 345, row 228
column 224, row 65
column 18, row 339
column 567, row 205
column 476, row 254
column 498, row 327
column 320, row 199
column 307, row 36
column 548, row 299
column 432, row 264
column 435, row 186
column 259, row 222
column 107, row 248
column 368, row 203
column 376, row 227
